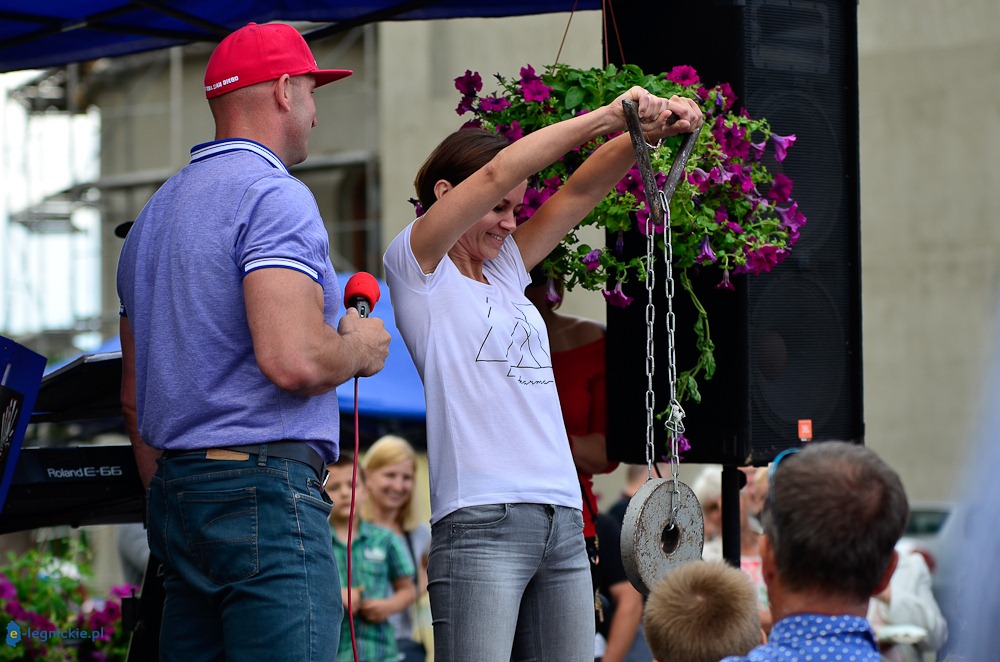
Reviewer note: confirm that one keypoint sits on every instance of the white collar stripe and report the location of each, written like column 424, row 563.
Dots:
column 282, row 262
column 208, row 150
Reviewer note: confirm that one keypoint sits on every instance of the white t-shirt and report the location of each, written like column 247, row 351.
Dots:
column 495, row 431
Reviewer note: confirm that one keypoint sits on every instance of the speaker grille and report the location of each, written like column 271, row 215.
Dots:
column 800, row 315
column 788, row 343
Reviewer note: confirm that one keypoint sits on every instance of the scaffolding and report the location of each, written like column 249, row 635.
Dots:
column 50, row 224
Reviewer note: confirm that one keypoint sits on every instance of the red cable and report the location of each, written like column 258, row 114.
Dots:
column 350, row 523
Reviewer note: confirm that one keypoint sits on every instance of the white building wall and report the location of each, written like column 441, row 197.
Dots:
column 930, row 127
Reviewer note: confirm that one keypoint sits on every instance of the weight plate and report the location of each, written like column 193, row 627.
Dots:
column 649, row 548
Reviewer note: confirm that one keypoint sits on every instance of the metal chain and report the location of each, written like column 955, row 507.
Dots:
column 675, row 421
column 659, row 210
column 650, row 359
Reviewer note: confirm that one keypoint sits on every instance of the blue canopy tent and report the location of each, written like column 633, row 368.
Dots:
column 396, row 391
column 58, row 32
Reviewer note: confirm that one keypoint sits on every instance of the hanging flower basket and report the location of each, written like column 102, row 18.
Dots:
column 729, row 212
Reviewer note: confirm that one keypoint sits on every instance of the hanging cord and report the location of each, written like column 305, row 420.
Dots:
column 607, row 9
column 350, row 523
column 562, row 43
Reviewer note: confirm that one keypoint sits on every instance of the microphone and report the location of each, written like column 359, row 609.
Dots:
column 361, row 293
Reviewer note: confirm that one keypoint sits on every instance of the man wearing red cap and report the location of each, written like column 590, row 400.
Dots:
column 232, row 351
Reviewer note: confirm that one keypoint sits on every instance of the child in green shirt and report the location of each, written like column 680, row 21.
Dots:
column 381, row 569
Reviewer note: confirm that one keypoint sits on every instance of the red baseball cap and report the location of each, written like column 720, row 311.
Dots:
column 258, row 53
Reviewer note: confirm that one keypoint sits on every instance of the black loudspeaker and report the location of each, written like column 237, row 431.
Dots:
column 788, row 343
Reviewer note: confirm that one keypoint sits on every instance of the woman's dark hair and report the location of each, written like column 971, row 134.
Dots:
column 458, row 156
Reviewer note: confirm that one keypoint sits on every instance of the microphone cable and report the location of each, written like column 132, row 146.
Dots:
column 350, row 528
column 361, row 293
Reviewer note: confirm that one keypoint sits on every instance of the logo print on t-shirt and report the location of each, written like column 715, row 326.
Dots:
column 520, row 347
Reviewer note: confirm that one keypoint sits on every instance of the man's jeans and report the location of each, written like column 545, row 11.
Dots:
column 511, row 582
column 248, row 560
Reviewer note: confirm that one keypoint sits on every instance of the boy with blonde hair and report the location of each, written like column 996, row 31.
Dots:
column 702, row 612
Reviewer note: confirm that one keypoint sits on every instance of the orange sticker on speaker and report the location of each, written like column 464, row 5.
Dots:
column 805, row 429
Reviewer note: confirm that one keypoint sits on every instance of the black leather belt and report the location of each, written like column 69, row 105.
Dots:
column 297, row 451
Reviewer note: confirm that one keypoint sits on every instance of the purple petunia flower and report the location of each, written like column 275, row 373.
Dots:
column 756, row 149
column 705, row 253
column 723, row 174
column 721, row 215
column 631, row 183
column 551, row 294
column 474, row 123
column 7, row 590
column 533, row 199
column 465, row 105
column 683, row 74
column 683, row 446
column 734, row 227
column 732, row 140
column 792, row 219
column 15, row 610
column 532, row 86
column 616, row 297
column 728, row 95
column 493, row 104
column 699, row 178
column 536, row 90
column 552, row 183
column 592, row 259
column 514, row 132
column 659, row 178
column 781, row 145
column 469, row 84
column 763, row 259
column 742, row 176
column 725, row 283
column 781, row 189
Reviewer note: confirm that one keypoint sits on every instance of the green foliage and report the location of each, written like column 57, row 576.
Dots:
column 45, row 589
column 729, row 212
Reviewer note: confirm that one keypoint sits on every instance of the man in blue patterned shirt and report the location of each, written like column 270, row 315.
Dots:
column 833, row 514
